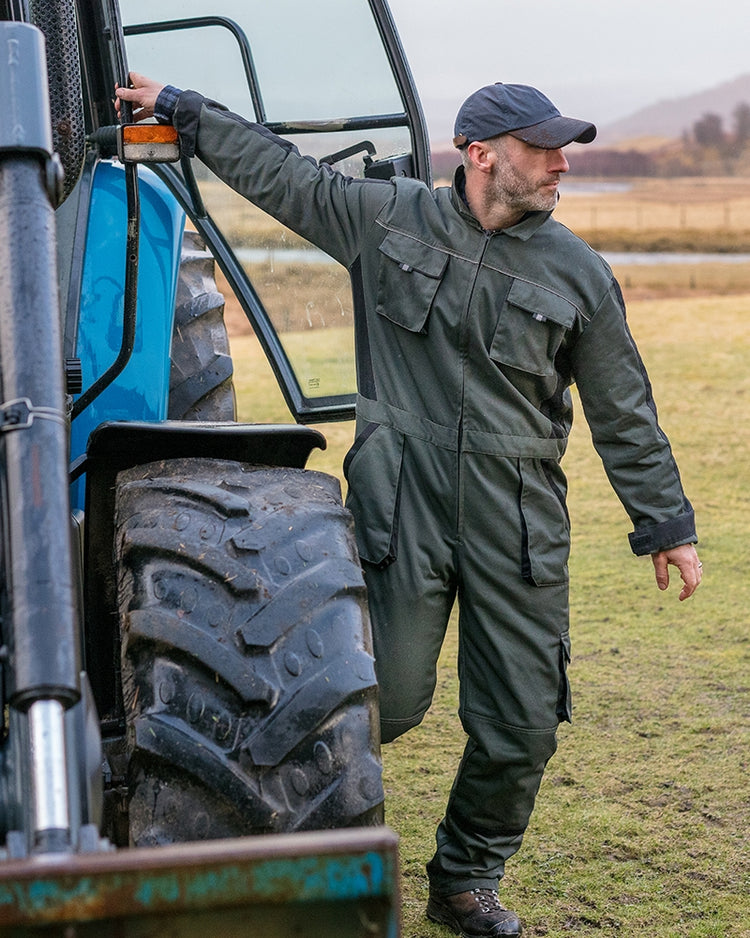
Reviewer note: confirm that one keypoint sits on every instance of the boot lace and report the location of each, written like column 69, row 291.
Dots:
column 488, row 900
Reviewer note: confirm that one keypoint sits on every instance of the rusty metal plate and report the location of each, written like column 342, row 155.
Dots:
column 319, row 884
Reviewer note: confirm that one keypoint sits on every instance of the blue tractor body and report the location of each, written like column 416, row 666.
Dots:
column 141, row 390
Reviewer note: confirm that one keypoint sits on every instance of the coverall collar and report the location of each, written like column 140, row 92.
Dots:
column 523, row 230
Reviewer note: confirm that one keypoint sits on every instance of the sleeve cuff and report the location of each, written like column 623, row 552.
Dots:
column 166, row 103
column 662, row 536
column 186, row 118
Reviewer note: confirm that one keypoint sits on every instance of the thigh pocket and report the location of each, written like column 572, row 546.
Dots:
column 544, row 526
column 532, row 325
column 409, row 276
column 373, row 473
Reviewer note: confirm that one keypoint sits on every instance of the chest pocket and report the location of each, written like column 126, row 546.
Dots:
column 532, row 325
column 408, row 279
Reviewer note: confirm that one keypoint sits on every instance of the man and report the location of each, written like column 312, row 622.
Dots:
column 479, row 312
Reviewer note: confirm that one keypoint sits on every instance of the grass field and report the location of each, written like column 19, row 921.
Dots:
column 641, row 826
column 656, row 214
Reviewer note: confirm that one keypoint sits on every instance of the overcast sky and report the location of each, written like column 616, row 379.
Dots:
column 597, row 59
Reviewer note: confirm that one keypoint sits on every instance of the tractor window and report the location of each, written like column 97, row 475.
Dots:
column 331, row 64
column 328, row 86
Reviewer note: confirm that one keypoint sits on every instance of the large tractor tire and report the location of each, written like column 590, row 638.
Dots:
column 200, row 380
column 248, row 676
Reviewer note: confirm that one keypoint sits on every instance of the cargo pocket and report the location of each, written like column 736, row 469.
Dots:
column 373, row 472
column 532, row 325
column 545, row 527
column 564, row 700
column 409, row 276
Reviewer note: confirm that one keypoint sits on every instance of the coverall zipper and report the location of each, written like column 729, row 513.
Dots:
column 463, row 348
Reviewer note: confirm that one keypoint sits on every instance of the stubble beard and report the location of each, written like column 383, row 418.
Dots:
column 520, row 193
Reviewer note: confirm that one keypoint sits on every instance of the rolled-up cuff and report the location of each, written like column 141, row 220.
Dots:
column 186, row 119
column 662, row 536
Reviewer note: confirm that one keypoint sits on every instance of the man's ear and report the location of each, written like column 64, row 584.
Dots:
column 482, row 156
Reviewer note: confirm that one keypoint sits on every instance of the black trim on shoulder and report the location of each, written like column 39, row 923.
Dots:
column 366, row 375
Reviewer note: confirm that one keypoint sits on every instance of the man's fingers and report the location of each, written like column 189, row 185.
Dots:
column 141, row 93
column 692, row 574
column 661, row 569
column 686, row 560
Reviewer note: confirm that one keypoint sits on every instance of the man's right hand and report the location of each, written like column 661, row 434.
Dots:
column 141, row 93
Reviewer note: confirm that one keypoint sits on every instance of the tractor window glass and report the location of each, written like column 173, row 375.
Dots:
column 331, row 64
column 327, row 96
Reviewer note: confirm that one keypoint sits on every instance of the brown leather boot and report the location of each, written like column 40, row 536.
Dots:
column 474, row 914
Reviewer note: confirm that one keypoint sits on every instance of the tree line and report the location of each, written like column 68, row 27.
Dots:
column 706, row 148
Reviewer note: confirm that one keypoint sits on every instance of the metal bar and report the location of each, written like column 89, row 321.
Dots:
column 15, row 10
column 130, row 300
column 40, row 625
column 342, row 883
column 405, row 80
column 48, row 773
column 338, row 124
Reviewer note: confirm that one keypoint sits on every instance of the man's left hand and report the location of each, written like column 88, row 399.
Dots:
column 685, row 558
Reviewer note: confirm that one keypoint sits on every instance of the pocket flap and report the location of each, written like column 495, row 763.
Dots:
column 411, row 254
column 408, row 280
column 541, row 304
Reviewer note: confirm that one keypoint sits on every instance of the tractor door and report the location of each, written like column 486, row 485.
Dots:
column 331, row 77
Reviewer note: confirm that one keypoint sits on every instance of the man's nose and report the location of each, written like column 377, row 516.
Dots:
column 557, row 161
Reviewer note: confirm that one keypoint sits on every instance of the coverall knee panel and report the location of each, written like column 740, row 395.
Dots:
column 490, row 804
column 500, row 775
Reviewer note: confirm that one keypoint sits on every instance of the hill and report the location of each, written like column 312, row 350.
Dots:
column 671, row 118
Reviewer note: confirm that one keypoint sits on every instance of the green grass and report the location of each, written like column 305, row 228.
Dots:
column 641, row 826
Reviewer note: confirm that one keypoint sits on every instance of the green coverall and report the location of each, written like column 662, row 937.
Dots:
column 467, row 343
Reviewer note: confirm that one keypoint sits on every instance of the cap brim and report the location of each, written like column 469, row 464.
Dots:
column 556, row 132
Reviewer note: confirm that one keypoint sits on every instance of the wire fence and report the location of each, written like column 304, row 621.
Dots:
column 595, row 215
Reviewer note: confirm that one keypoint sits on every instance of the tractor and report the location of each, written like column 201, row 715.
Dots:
column 190, row 724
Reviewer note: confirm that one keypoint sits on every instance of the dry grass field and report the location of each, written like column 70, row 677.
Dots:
column 702, row 203
column 694, row 214
column 641, row 826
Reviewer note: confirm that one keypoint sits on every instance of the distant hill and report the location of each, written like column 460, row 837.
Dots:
column 670, row 118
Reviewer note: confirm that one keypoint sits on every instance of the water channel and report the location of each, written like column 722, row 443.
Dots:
column 311, row 255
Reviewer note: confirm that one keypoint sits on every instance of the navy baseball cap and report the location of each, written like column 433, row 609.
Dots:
column 521, row 111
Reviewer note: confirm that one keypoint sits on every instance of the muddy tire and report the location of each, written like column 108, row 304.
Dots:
column 248, row 677
column 200, row 380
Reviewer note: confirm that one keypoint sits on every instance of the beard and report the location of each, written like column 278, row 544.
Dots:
column 521, row 192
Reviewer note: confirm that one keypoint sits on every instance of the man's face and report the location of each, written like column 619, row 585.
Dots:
column 526, row 178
